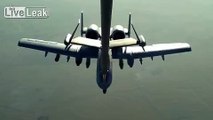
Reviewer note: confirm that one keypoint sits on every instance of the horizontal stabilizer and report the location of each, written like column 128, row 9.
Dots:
column 97, row 43
column 87, row 42
column 122, row 42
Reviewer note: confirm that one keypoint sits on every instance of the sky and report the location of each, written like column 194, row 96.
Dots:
column 33, row 87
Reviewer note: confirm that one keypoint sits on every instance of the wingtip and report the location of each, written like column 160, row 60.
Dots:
column 19, row 42
column 189, row 47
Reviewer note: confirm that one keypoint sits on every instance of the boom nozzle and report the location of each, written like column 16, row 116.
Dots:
column 104, row 91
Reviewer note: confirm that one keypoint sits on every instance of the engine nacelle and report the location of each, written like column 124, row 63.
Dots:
column 92, row 32
column 142, row 41
column 118, row 32
column 67, row 39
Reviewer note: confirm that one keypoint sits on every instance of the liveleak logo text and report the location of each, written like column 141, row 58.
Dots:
column 26, row 12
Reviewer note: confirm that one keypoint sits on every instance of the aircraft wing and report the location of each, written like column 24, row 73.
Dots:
column 152, row 50
column 72, row 50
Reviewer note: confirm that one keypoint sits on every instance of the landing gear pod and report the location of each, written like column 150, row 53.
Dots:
column 57, row 57
column 78, row 61
column 130, row 62
column 88, row 60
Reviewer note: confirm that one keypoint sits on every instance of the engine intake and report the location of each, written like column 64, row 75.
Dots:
column 118, row 32
column 93, row 32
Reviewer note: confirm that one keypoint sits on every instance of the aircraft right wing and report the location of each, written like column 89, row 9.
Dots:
column 152, row 50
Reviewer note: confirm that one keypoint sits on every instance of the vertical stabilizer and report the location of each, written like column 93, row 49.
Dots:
column 82, row 23
column 129, row 25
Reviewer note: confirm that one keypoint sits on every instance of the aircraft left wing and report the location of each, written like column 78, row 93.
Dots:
column 151, row 50
column 72, row 50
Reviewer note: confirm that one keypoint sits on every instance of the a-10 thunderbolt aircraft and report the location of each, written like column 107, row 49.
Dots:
column 104, row 44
